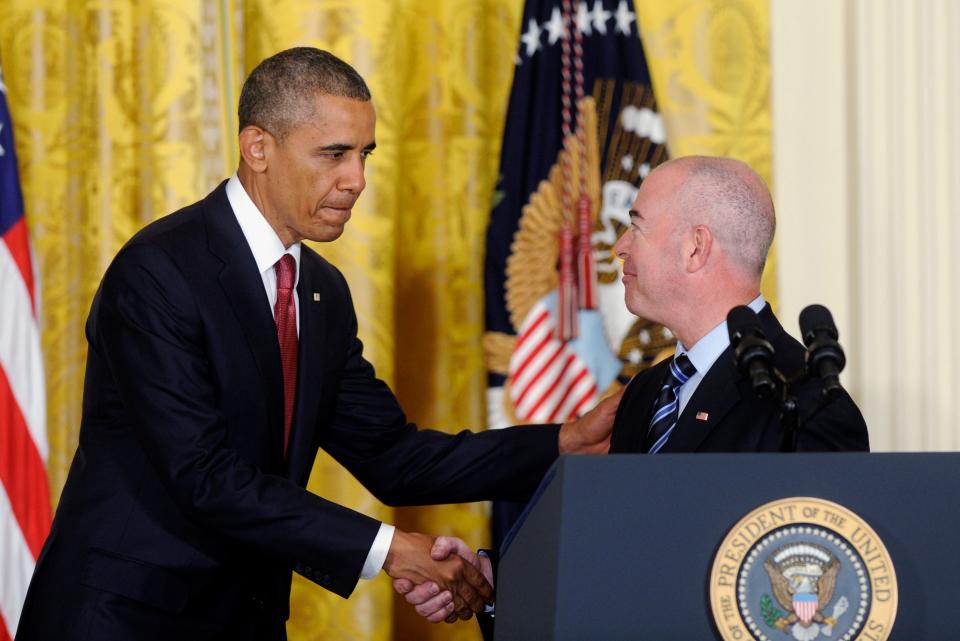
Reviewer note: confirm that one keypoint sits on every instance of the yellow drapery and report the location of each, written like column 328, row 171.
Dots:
column 125, row 111
column 709, row 61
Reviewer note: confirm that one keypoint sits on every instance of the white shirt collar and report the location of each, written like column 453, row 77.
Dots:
column 266, row 246
column 708, row 349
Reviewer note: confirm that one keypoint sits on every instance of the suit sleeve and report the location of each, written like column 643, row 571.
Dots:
column 402, row 465
column 148, row 327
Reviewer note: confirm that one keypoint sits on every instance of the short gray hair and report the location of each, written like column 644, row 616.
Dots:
column 735, row 204
column 277, row 94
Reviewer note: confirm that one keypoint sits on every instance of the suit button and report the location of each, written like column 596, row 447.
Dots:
column 326, row 580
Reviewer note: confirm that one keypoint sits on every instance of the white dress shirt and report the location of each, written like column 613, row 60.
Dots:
column 267, row 249
column 705, row 353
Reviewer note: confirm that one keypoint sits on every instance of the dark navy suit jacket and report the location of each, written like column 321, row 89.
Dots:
column 181, row 518
column 736, row 420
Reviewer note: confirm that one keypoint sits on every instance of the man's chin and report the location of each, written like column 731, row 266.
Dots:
column 635, row 307
column 326, row 234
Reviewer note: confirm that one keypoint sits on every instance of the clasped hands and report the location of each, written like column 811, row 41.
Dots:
column 443, row 578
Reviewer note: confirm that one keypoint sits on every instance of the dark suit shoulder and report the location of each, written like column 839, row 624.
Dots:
column 836, row 425
column 789, row 352
column 168, row 255
column 185, row 224
column 320, row 267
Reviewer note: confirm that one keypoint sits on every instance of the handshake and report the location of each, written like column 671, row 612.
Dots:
column 442, row 578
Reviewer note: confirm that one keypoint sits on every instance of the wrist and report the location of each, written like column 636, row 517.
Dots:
column 566, row 443
column 397, row 543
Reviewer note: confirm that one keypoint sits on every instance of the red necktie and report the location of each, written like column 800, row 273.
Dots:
column 285, row 315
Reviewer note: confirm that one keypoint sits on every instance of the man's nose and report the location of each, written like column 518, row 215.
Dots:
column 352, row 178
column 620, row 247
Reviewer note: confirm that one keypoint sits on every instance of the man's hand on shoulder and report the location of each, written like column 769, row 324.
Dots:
column 590, row 434
column 446, row 585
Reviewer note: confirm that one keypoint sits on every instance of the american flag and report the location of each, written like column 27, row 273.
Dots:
column 549, row 382
column 25, row 495
column 533, row 376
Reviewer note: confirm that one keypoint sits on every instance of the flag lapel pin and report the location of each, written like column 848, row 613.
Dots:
column 703, row 416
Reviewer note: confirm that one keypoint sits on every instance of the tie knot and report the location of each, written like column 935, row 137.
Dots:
column 681, row 369
column 285, row 268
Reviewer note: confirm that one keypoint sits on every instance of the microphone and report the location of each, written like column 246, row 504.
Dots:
column 824, row 357
column 753, row 353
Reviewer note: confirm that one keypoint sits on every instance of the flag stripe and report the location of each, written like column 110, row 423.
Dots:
column 20, row 355
column 528, row 358
column 583, row 393
column 19, row 248
column 551, row 385
column 24, row 489
column 557, row 415
column 557, row 351
column 541, row 360
column 17, row 563
column 525, row 332
column 587, row 401
column 547, row 379
column 22, row 471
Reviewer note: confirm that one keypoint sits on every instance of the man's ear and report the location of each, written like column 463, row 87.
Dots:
column 701, row 244
column 255, row 143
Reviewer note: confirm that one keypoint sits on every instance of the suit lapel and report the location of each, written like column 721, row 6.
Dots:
column 716, row 395
column 242, row 285
column 313, row 300
column 633, row 417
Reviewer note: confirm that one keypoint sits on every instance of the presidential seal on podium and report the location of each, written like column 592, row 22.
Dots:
column 806, row 569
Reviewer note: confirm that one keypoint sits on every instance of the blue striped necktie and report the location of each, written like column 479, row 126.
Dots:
column 666, row 409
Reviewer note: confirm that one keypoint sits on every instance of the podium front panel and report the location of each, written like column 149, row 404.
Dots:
column 621, row 546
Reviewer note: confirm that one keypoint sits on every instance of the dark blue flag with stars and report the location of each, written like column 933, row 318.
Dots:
column 630, row 141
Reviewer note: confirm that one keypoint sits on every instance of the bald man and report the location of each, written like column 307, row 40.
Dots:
column 700, row 229
column 698, row 239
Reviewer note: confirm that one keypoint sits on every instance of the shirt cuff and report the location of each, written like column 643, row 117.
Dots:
column 378, row 552
column 488, row 608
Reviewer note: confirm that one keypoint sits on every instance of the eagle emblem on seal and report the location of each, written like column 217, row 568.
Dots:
column 803, row 578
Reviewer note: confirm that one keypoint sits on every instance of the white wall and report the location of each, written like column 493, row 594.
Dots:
column 866, row 133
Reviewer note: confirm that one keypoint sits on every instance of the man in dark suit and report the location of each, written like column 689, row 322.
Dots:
column 222, row 354
column 697, row 243
column 696, row 247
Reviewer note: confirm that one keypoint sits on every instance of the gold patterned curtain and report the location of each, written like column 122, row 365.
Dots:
column 125, row 111
column 710, row 65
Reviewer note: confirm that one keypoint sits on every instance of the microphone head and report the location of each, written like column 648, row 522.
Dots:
column 752, row 352
column 742, row 321
column 815, row 319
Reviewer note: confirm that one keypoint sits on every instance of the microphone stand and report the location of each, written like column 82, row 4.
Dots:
column 789, row 411
column 789, row 408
